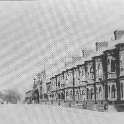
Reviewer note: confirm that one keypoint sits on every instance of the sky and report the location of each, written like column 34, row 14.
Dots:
column 39, row 34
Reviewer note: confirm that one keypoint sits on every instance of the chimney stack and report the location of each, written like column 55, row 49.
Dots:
column 118, row 34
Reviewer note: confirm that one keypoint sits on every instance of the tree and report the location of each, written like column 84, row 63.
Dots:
column 12, row 96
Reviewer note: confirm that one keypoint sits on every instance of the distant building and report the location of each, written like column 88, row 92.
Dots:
column 28, row 97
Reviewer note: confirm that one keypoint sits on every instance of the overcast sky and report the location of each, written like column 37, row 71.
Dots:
column 38, row 33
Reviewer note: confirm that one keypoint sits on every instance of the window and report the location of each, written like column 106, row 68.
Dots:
column 91, row 69
column 97, row 93
column 113, row 91
column 79, row 71
column 99, row 68
column 77, row 92
column 62, row 95
column 109, row 90
column 71, row 93
column 108, row 61
column 82, row 72
column 92, row 93
column 113, row 65
column 88, row 73
column 122, row 63
column 83, row 92
column 66, row 78
column 122, row 90
column 100, row 90
column 66, row 93
column 58, row 83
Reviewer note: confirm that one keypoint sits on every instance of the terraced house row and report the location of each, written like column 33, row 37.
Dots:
column 96, row 81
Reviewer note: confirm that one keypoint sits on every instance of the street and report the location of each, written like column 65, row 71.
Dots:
column 46, row 114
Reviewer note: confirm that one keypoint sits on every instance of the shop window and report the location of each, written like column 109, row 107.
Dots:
column 113, row 65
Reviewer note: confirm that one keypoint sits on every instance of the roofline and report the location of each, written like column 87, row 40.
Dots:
column 109, row 50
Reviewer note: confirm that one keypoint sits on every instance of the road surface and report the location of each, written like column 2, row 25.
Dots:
column 46, row 114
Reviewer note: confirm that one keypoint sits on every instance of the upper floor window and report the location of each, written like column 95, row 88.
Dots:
column 79, row 71
column 66, row 77
column 82, row 72
column 91, row 69
column 113, row 65
column 99, row 69
column 108, row 61
column 71, row 93
column 58, row 83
